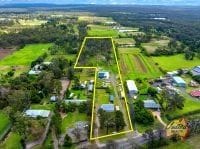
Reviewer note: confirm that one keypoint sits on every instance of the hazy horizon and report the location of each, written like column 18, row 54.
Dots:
column 113, row 2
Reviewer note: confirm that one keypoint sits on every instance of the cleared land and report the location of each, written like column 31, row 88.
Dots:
column 4, row 122
column 124, row 41
column 12, row 142
column 101, row 31
column 71, row 118
column 154, row 44
column 20, row 60
column 5, row 52
column 92, row 19
column 174, row 62
column 134, row 64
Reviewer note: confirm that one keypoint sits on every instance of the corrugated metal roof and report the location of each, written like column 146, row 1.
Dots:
column 178, row 80
column 131, row 85
column 151, row 104
column 108, row 107
column 36, row 113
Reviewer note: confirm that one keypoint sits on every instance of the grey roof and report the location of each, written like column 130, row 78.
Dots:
column 151, row 104
column 108, row 107
column 36, row 113
column 178, row 80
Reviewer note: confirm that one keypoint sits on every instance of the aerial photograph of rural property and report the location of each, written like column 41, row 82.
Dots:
column 99, row 74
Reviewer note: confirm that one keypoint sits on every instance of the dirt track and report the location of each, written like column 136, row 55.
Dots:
column 140, row 65
column 5, row 52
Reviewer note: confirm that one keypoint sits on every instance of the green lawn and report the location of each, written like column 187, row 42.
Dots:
column 174, row 62
column 4, row 122
column 134, row 64
column 102, row 31
column 154, row 44
column 189, row 106
column 12, row 142
column 25, row 56
column 72, row 118
column 43, row 107
column 190, row 143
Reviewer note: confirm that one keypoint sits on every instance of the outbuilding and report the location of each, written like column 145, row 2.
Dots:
column 108, row 107
column 132, row 89
column 104, row 75
column 37, row 113
column 179, row 81
column 151, row 104
column 195, row 93
column 196, row 71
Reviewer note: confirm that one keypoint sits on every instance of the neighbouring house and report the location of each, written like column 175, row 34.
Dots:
column 76, row 101
column 34, row 72
column 172, row 73
column 104, row 75
column 53, row 98
column 37, row 113
column 90, row 87
column 195, row 93
column 151, row 104
column 111, row 98
column 108, row 107
column 179, row 81
column 193, row 83
column 132, row 89
column 195, row 71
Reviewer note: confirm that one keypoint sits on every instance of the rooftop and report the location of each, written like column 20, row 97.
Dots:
column 178, row 80
column 108, row 107
column 195, row 93
column 151, row 104
column 131, row 85
column 36, row 113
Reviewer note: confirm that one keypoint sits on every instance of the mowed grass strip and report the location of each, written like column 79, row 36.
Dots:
column 4, row 122
column 12, row 142
column 25, row 56
column 175, row 62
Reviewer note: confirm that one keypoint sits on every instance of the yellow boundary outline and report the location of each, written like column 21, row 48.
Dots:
column 120, row 76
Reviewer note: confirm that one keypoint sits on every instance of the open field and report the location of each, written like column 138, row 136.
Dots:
column 12, row 142
column 4, row 122
column 92, row 19
column 175, row 62
column 189, row 106
column 33, row 22
column 154, row 44
column 71, row 118
column 134, row 64
column 124, row 41
column 5, row 52
column 20, row 60
column 25, row 56
column 101, row 31
column 191, row 142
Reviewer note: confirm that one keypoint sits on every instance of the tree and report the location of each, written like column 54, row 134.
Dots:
column 67, row 141
column 56, row 122
column 119, row 121
column 70, row 73
column 152, row 91
column 189, row 55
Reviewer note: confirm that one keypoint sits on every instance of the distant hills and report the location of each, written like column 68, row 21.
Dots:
column 114, row 2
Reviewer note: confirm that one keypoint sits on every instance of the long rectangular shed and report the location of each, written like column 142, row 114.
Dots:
column 132, row 88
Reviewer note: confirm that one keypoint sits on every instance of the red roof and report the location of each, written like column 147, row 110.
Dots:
column 195, row 93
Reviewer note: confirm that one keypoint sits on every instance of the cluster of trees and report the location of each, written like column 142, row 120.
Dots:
column 110, row 120
column 46, row 33
column 170, row 101
column 142, row 115
column 101, row 49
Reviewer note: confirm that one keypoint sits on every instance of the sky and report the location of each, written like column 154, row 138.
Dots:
column 138, row 2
